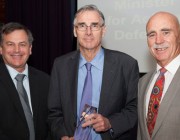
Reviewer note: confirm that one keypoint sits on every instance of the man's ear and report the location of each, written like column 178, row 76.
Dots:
column 0, row 49
column 75, row 34
column 104, row 31
column 30, row 50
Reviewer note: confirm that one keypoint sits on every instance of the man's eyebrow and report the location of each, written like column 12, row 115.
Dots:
column 9, row 42
column 23, row 42
column 151, row 32
column 166, row 29
column 93, row 23
column 80, row 23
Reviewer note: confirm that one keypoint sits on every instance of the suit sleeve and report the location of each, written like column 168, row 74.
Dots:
column 3, row 136
column 124, row 121
column 55, row 116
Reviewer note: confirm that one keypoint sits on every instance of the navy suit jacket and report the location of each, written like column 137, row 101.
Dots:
column 118, row 97
column 13, row 125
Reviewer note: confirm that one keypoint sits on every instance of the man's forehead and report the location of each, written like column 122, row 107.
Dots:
column 160, row 25
column 88, row 15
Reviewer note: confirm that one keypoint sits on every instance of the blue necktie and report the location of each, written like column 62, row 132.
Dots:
column 85, row 106
column 87, row 90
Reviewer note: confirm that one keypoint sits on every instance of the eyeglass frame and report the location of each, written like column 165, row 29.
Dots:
column 86, row 26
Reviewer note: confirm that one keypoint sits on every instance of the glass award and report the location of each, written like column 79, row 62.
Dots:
column 80, row 132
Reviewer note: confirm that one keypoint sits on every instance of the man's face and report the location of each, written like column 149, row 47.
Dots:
column 89, row 39
column 163, row 38
column 16, row 49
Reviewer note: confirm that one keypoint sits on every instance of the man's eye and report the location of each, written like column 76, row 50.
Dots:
column 166, row 32
column 22, row 45
column 82, row 25
column 151, row 35
column 9, row 44
column 94, row 25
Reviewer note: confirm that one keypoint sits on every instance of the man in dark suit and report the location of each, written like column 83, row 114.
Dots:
column 16, row 46
column 162, row 120
column 114, row 80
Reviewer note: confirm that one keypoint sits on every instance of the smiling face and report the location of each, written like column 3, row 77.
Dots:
column 88, row 39
column 15, row 49
column 163, row 37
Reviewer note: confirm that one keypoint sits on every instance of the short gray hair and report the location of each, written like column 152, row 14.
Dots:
column 90, row 8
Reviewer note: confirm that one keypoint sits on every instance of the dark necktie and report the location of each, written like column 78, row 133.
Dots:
column 25, row 104
column 154, row 101
column 85, row 106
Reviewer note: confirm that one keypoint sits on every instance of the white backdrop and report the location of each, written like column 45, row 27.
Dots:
column 126, row 20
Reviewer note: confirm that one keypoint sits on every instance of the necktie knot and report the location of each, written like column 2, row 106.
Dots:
column 88, row 66
column 20, row 77
column 162, row 70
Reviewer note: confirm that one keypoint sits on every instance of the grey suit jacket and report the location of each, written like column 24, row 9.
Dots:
column 167, row 125
column 13, row 123
column 117, row 98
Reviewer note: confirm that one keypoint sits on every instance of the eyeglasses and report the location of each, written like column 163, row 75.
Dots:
column 93, row 27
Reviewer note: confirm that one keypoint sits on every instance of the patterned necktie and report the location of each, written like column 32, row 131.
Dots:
column 25, row 104
column 154, row 101
column 85, row 106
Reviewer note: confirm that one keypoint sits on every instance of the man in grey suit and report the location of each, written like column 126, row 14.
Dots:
column 16, row 47
column 163, row 37
column 114, row 80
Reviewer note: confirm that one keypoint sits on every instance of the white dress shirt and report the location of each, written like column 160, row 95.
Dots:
column 13, row 74
column 171, row 70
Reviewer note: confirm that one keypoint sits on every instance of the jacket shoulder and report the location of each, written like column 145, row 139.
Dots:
column 38, row 73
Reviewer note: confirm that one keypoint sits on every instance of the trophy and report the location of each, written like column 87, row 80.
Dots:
column 80, row 132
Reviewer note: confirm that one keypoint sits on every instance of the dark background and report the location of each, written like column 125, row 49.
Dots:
column 51, row 22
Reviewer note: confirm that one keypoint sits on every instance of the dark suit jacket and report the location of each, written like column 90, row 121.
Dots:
column 117, row 99
column 13, row 125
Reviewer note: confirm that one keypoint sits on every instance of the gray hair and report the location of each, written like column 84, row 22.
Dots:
column 90, row 8
column 12, row 26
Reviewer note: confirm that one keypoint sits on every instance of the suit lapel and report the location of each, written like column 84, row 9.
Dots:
column 167, row 100
column 34, row 91
column 73, row 66
column 11, row 90
column 109, row 73
column 144, row 89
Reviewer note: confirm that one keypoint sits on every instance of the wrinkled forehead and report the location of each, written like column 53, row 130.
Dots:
column 162, row 20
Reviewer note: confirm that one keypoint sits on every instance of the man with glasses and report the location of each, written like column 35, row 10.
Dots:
column 113, row 87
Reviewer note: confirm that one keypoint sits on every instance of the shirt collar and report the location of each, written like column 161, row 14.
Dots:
column 172, row 66
column 96, row 62
column 13, row 72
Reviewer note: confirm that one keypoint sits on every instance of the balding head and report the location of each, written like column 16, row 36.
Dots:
column 165, row 16
column 163, row 37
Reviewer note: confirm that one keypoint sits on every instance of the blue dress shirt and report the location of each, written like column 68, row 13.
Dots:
column 96, row 71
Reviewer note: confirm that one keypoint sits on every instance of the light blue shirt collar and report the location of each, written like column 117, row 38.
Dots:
column 95, row 61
